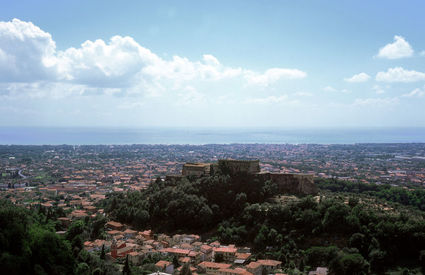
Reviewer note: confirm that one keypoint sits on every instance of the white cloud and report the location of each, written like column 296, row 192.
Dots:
column 333, row 90
column 303, row 94
column 361, row 77
column 190, row 96
column 416, row 93
column 377, row 102
column 398, row 49
column 329, row 89
column 113, row 64
column 118, row 66
column 26, row 52
column 181, row 69
column 131, row 105
column 378, row 89
column 267, row 100
column 272, row 75
column 422, row 53
column 42, row 89
column 398, row 74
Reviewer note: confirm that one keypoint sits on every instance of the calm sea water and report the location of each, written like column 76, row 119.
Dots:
column 78, row 136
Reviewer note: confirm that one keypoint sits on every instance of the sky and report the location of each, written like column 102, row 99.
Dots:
column 283, row 64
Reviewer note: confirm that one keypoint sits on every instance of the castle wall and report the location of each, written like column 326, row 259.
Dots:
column 302, row 184
column 241, row 166
column 292, row 183
column 196, row 169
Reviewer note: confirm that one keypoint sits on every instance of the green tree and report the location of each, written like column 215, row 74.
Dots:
column 126, row 269
column 175, row 262
column 350, row 264
column 185, row 270
column 102, row 253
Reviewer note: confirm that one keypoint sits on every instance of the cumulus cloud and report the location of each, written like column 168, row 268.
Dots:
column 26, row 52
column 398, row 74
column 29, row 54
column 41, row 89
column 331, row 89
column 361, row 77
column 181, row 69
column 398, row 49
column 272, row 75
column 189, row 96
column 415, row 93
column 116, row 63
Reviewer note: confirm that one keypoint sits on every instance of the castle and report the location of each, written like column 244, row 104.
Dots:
column 301, row 184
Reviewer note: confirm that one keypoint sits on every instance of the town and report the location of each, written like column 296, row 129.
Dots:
column 76, row 179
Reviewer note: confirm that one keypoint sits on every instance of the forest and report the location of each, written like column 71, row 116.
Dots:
column 345, row 231
column 413, row 196
column 29, row 243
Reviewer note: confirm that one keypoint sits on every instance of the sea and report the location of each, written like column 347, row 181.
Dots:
column 199, row 136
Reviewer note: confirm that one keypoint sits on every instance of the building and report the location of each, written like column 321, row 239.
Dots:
column 301, row 184
column 211, row 267
column 291, row 183
column 114, row 225
column 228, row 254
column 240, row 166
column 165, row 266
column 196, row 169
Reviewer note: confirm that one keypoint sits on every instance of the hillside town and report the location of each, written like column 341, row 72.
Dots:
column 76, row 179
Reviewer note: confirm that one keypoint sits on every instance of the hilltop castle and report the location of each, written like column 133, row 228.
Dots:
column 302, row 184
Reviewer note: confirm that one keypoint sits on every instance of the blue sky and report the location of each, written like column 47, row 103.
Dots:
column 212, row 63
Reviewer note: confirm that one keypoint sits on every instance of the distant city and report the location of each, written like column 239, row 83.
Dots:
column 133, row 167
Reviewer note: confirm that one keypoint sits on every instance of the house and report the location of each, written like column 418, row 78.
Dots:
column 227, row 253
column 147, row 234
column 270, row 265
column 255, row 268
column 135, row 257
column 206, row 251
column 319, row 271
column 164, row 238
column 120, row 249
column 236, row 271
column 242, row 258
column 165, row 266
column 178, row 252
column 192, row 269
column 111, row 225
column 184, row 260
column 212, row 268
column 78, row 214
column 128, row 233
column 197, row 245
column 195, row 256
column 186, row 246
column 112, row 233
column 215, row 244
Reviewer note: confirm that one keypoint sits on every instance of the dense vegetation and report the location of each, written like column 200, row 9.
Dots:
column 411, row 197
column 349, row 237
column 29, row 244
column 189, row 204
